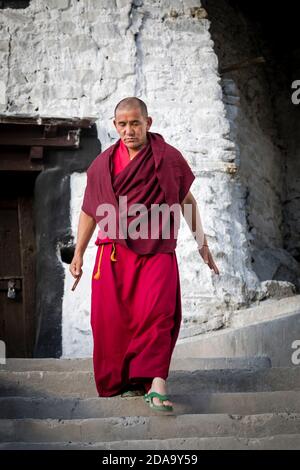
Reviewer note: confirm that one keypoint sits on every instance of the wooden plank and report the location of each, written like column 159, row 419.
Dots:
column 23, row 119
column 36, row 153
column 21, row 166
column 28, row 259
column 243, row 64
column 8, row 203
column 71, row 140
column 12, row 326
column 10, row 262
column 19, row 161
column 50, row 130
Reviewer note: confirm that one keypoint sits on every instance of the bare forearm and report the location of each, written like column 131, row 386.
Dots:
column 192, row 216
column 86, row 227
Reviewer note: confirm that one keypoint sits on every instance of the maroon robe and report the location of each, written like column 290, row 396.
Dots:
column 158, row 173
column 136, row 299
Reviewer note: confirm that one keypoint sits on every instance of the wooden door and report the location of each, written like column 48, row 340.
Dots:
column 17, row 266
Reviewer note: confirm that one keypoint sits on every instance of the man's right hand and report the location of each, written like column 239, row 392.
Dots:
column 76, row 265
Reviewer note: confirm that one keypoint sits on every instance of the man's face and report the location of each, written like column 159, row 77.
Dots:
column 132, row 127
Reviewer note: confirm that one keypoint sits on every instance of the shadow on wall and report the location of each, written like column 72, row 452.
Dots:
column 264, row 125
column 17, row 4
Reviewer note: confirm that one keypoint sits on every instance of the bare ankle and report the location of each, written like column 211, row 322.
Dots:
column 158, row 380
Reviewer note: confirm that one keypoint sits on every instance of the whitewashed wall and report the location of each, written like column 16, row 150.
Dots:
column 76, row 329
column 79, row 58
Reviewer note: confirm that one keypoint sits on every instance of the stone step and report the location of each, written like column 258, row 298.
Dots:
column 149, row 427
column 215, row 403
column 86, row 364
column 81, row 384
column 273, row 337
column 277, row 442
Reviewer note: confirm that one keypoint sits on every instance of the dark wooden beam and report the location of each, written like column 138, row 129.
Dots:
column 23, row 139
column 70, row 140
column 28, row 260
column 243, row 64
column 50, row 131
column 36, row 153
column 78, row 123
column 11, row 160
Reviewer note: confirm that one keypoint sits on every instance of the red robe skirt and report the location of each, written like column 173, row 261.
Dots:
column 135, row 312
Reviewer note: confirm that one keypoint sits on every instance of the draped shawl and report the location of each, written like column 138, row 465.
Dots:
column 158, row 174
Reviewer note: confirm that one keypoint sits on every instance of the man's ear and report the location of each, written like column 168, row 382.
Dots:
column 149, row 123
column 114, row 121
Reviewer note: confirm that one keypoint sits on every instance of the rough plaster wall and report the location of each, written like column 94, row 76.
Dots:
column 252, row 96
column 76, row 329
column 249, row 108
column 67, row 57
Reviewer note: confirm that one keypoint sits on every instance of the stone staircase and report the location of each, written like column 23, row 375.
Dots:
column 219, row 403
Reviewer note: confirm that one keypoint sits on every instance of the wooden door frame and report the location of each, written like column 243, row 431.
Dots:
column 22, row 204
column 24, row 141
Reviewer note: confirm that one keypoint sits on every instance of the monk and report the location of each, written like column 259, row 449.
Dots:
column 136, row 298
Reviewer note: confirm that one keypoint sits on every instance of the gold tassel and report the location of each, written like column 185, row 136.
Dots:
column 97, row 274
column 113, row 254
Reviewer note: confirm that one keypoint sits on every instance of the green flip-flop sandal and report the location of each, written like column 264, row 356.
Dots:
column 148, row 397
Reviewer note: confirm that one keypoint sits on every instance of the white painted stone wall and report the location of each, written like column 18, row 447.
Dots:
column 76, row 329
column 79, row 58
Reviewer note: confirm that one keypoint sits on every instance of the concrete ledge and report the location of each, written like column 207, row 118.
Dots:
column 179, row 363
column 81, row 384
column 197, row 402
column 273, row 338
column 266, row 310
column 160, row 427
column 278, row 442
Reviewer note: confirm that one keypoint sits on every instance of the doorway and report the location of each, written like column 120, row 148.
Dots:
column 17, row 263
column 37, row 157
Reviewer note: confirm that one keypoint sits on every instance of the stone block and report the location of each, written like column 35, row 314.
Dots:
column 57, row 4
column 2, row 92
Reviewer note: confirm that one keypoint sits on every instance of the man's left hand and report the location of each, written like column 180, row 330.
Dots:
column 208, row 259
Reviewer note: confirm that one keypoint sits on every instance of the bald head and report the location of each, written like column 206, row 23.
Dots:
column 132, row 103
column 132, row 123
